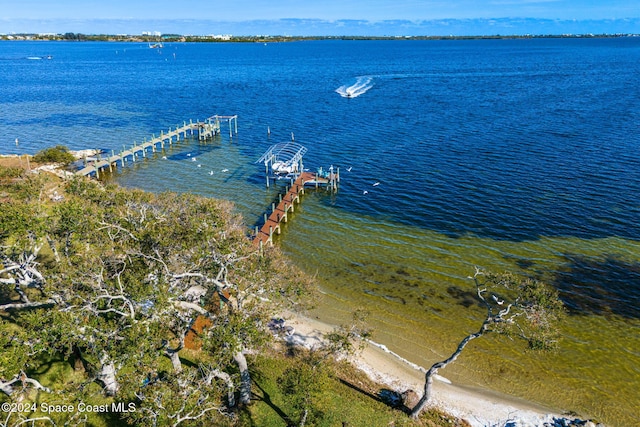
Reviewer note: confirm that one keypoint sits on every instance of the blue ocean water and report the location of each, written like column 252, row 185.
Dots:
column 541, row 134
column 516, row 154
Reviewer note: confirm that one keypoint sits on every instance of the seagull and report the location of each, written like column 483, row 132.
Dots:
column 365, row 192
column 210, row 172
column 164, row 157
column 375, row 184
column 349, row 168
column 193, row 159
column 188, row 154
column 199, row 165
column 225, row 170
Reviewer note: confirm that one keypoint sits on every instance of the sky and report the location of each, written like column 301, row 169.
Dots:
column 321, row 17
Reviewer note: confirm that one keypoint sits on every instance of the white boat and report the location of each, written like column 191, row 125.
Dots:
column 282, row 167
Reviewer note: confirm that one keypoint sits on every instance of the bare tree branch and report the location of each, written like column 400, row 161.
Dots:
column 497, row 314
column 22, row 378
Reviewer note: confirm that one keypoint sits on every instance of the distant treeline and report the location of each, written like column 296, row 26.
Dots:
column 229, row 38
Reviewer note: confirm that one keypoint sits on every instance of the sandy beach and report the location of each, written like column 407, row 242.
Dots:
column 478, row 407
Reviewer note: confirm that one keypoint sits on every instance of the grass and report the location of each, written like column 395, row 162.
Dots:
column 347, row 398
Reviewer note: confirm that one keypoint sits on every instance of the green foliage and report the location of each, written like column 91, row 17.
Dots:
column 7, row 173
column 17, row 220
column 302, row 385
column 27, row 189
column 535, row 308
column 544, row 311
column 86, row 189
column 117, row 265
column 57, row 154
column 349, row 339
column 343, row 396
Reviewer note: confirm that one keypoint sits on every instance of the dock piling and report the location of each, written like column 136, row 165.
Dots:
column 280, row 213
column 205, row 130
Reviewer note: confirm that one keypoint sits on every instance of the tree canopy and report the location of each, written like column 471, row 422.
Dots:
column 109, row 281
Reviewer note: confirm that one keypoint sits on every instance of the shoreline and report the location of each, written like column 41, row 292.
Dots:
column 478, row 407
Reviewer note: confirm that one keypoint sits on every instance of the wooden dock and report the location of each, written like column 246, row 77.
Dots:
column 280, row 212
column 204, row 130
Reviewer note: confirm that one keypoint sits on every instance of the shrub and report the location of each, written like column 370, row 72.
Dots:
column 57, row 154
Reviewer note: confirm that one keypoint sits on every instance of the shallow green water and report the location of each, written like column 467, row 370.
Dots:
column 414, row 284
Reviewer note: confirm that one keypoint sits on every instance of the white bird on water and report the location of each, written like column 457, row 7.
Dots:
column 164, row 157
column 365, row 192
column 210, row 172
column 199, row 165
column 225, row 170
column 349, row 168
column 193, row 159
column 375, row 184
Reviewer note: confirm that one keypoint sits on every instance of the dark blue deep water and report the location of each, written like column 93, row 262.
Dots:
column 511, row 154
column 518, row 138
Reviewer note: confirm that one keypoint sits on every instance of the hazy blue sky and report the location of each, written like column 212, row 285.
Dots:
column 321, row 17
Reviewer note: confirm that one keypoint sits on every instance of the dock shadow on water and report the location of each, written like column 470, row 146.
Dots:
column 608, row 286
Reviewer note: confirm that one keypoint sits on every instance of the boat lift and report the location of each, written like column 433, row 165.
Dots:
column 283, row 159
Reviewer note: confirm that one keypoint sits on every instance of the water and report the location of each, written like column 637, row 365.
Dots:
column 516, row 155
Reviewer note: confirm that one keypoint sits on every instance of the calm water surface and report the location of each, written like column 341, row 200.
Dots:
column 518, row 155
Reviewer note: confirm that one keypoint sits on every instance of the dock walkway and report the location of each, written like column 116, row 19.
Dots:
column 204, row 130
column 280, row 212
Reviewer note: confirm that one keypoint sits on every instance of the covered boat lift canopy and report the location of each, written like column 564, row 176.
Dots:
column 284, row 158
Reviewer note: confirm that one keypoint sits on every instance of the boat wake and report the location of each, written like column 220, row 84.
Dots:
column 361, row 86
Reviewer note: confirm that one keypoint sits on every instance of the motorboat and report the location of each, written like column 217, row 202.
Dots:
column 283, row 168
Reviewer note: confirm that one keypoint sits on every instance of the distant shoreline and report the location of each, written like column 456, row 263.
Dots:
column 79, row 37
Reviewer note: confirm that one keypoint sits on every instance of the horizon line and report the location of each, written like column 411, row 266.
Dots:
column 312, row 27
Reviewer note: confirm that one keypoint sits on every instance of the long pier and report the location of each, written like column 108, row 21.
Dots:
column 204, row 130
column 280, row 212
